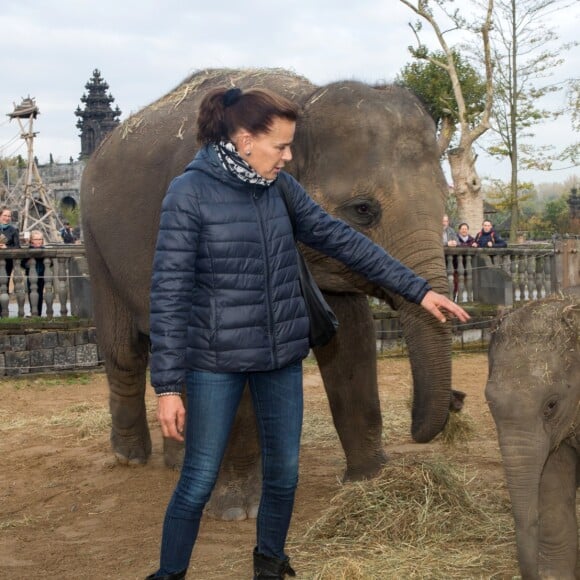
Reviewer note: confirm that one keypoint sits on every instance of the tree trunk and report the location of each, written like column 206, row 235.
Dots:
column 467, row 186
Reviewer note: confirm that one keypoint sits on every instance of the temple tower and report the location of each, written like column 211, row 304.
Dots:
column 98, row 118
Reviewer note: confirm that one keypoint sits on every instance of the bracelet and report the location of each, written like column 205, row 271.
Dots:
column 168, row 394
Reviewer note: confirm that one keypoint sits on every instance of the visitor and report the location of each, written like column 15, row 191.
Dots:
column 464, row 239
column 226, row 310
column 9, row 238
column 487, row 237
column 35, row 302
column 67, row 233
column 449, row 235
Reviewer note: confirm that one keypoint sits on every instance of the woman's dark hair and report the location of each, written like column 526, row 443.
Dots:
column 224, row 111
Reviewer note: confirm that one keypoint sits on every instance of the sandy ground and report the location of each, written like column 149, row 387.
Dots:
column 68, row 511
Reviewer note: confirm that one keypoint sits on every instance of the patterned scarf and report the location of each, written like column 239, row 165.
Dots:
column 232, row 162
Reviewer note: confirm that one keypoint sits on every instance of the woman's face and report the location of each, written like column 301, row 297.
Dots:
column 36, row 241
column 267, row 153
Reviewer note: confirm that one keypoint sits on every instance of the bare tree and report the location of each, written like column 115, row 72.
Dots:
column 525, row 54
column 461, row 157
column 571, row 154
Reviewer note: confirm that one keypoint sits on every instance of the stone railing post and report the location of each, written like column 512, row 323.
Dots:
column 504, row 275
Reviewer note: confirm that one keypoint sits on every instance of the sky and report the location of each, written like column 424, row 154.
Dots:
column 48, row 50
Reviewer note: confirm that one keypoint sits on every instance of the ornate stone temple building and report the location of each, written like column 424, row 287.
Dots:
column 98, row 117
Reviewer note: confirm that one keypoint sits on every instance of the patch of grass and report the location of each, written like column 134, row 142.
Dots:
column 22, row 522
column 88, row 419
column 50, row 380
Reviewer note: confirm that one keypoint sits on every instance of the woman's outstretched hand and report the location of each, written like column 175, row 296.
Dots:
column 171, row 416
column 438, row 305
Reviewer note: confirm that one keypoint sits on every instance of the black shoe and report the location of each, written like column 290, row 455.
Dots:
column 267, row 567
column 174, row 576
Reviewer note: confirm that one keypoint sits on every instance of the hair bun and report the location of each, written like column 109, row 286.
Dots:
column 231, row 97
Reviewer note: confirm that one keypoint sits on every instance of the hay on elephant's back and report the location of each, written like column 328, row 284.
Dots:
column 209, row 79
column 413, row 512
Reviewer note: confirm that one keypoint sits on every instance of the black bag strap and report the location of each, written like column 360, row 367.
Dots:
column 288, row 203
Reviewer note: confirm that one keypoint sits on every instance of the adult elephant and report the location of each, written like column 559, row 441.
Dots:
column 534, row 396
column 367, row 155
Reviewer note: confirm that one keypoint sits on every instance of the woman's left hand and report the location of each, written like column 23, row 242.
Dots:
column 437, row 304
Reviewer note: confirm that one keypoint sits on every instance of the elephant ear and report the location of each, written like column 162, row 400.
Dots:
column 496, row 328
column 571, row 318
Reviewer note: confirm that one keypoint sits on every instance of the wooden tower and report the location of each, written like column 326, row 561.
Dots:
column 29, row 196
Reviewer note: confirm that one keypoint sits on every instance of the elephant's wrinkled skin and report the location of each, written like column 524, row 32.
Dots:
column 534, row 396
column 369, row 156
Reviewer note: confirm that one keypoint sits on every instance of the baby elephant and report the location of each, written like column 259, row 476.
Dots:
column 533, row 393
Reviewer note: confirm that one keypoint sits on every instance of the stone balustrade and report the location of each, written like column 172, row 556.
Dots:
column 502, row 275
column 64, row 273
column 495, row 276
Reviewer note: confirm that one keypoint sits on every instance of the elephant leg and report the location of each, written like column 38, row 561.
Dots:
column 125, row 353
column 236, row 495
column 558, row 535
column 348, row 365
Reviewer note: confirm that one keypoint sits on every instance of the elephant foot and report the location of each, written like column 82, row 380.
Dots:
column 457, row 399
column 133, row 449
column 173, row 453
column 367, row 470
column 235, row 500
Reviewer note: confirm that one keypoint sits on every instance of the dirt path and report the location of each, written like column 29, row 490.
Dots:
column 68, row 511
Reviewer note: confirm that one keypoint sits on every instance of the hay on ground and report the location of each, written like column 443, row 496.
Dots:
column 416, row 516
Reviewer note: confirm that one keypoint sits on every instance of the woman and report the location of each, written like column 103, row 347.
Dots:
column 36, row 243
column 9, row 238
column 226, row 309
column 463, row 237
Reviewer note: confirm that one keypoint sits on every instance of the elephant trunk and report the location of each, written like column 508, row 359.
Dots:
column 429, row 344
column 524, row 456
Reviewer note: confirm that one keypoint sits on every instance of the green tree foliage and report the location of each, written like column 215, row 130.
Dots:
column 539, row 217
column 10, row 168
column 433, row 85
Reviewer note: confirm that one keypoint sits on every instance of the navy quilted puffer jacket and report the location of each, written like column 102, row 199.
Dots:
column 225, row 295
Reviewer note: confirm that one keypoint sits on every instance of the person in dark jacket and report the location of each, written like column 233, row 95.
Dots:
column 488, row 237
column 226, row 309
column 464, row 238
column 67, row 234
column 9, row 238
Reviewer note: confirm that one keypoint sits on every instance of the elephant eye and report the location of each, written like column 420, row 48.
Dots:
column 550, row 408
column 360, row 212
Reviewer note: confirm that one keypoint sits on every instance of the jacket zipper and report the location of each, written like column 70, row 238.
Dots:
column 269, row 309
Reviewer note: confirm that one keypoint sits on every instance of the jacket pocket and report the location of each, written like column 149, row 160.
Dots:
column 212, row 323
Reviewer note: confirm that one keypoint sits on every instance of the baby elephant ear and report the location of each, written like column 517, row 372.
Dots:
column 571, row 317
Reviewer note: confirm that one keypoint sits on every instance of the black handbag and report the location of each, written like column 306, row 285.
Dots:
column 323, row 322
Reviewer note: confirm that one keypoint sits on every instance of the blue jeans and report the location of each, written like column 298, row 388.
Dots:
column 212, row 402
